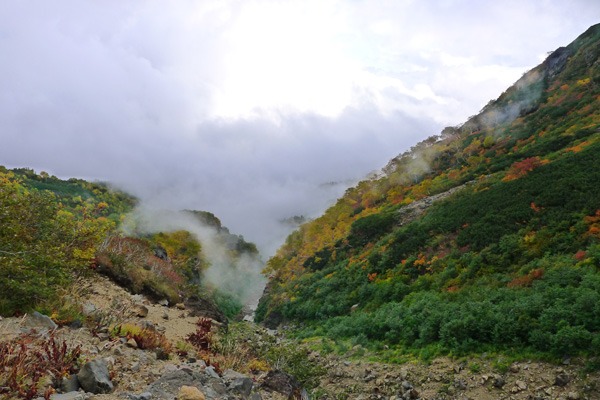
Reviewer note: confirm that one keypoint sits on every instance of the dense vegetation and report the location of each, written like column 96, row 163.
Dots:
column 54, row 232
column 48, row 238
column 509, row 258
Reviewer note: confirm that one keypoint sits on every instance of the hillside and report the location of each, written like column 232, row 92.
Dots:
column 54, row 232
column 484, row 237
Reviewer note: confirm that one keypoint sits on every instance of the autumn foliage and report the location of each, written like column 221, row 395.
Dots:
column 521, row 188
column 526, row 280
column 522, row 168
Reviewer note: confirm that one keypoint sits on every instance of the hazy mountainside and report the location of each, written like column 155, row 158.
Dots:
column 508, row 258
column 53, row 232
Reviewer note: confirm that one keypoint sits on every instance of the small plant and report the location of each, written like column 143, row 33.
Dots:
column 202, row 338
column 125, row 330
column 25, row 363
column 293, row 360
column 474, row 367
column 149, row 339
column 182, row 349
column 502, row 365
column 256, row 366
column 145, row 339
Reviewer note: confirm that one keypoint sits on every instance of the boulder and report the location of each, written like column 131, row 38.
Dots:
column 140, row 310
column 141, row 396
column 70, row 384
column 94, row 377
column 562, row 379
column 281, row 382
column 201, row 307
column 190, row 393
column 172, row 380
column 242, row 386
column 210, row 371
column 39, row 322
column 230, row 375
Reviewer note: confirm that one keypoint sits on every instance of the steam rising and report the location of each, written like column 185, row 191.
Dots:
column 245, row 109
column 529, row 89
column 237, row 276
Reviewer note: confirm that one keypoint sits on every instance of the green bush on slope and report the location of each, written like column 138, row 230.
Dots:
column 43, row 244
column 451, row 277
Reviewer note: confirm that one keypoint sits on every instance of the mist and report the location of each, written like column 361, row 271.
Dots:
column 269, row 178
column 256, row 111
column 238, row 276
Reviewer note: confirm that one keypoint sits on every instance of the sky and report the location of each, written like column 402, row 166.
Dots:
column 254, row 110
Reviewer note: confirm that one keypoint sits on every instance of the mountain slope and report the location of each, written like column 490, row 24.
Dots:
column 508, row 256
column 54, row 232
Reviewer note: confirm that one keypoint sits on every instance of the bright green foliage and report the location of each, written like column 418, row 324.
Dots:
column 43, row 244
column 52, row 231
column 509, row 258
column 102, row 200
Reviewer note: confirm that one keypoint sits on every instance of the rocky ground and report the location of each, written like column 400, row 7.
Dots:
column 448, row 379
column 138, row 374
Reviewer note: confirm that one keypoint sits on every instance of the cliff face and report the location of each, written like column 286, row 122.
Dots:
column 398, row 258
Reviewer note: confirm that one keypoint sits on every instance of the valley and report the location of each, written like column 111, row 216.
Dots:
column 467, row 268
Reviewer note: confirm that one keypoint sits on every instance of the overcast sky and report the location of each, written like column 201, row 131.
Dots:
column 250, row 109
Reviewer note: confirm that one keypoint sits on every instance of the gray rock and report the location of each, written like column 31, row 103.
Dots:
column 138, row 298
column 210, row 371
column 167, row 387
column 460, row 384
column 219, row 388
column 499, row 382
column 242, row 386
column 70, row 384
column 521, row 385
column 94, row 377
column 140, row 310
column 230, row 375
column 283, row 383
column 89, row 309
column 147, row 325
column 562, row 379
column 255, row 396
column 403, row 373
column 37, row 321
column 68, row 396
column 161, row 253
column 141, row 396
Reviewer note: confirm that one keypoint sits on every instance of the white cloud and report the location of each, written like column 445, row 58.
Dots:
column 245, row 108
